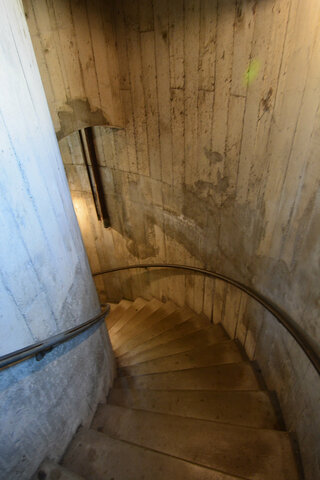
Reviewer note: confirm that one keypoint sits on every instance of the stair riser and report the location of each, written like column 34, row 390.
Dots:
column 196, row 339
column 129, row 313
column 171, row 337
column 225, row 377
column 249, row 453
column 118, row 337
column 215, row 355
column 137, row 344
column 251, row 409
column 139, row 325
column 98, row 457
column 114, row 316
column 186, row 404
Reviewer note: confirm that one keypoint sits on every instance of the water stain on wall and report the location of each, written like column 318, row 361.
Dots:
column 77, row 114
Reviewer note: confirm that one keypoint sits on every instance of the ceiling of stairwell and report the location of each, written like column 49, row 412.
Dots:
column 217, row 163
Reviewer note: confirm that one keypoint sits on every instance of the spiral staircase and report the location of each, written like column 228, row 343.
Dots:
column 186, row 404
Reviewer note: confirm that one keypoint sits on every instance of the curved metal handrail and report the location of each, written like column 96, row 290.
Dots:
column 40, row 349
column 305, row 342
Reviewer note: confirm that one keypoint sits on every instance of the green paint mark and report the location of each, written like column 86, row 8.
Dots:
column 252, row 71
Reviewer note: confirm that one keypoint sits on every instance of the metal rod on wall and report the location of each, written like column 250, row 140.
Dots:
column 91, row 180
column 87, row 143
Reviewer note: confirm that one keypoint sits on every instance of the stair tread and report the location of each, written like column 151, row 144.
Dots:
column 247, row 408
column 137, row 305
column 130, row 326
column 187, row 404
column 198, row 338
column 257, row 454
column 216, row 354
column 170, row 329
column 100, row 457
column 233, row 376
column 133, row 338
column 52, row 471
column 116, row 312
column 155, row 329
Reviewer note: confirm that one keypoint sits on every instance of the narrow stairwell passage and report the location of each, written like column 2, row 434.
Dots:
column 186, row 404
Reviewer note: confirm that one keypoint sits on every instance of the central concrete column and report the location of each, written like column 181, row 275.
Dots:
column 45, row 281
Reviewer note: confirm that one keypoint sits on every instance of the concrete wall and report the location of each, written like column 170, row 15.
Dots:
column 45, row 280
column 75, row 47
column 218, row 166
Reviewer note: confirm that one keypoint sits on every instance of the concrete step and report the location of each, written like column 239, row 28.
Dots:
column 251, row 409
column 172, row 328
column 233, row 376
column 130, row 327
column 112, row 305
column 159, row 326
column 130, row 335
column 217, row 354
column 49, row 470
column 137, row 305
column 255, row 454
column 174, row 341
column 99, row 457
column 116, row 313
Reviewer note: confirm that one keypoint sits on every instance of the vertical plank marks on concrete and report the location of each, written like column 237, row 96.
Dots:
column 161, row 26
column 191, row 42
column 85, row 52
column 242, row 56
column 231, row 310
column 219, row 301
column 176, row 44
column 290, row 91
column 271, row 36
column 112, row 62
column 307, row 117
column 146, row 20
column 223, row 77
column 131, row 12
column 52, row 88
column 178, row 136
column 69, row 48
column 151, row 102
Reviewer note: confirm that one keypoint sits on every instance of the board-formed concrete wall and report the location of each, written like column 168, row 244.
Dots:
column 217, row 166
column 45, row 280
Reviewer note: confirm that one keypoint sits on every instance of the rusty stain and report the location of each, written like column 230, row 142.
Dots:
column 266, row 101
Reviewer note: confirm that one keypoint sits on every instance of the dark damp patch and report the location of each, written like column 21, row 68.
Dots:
column 213, row 157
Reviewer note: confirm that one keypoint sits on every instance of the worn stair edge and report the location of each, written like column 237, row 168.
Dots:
column 155, row 329
column 130, row 338
column 115, row 313
column 216, row 354
column 247, row 408
column 137, row 305
column 184, row 347
column 100, row 457
column 234, row 376
column 171, row 328
column 256, row 454
column 49, row 470
column 129, row 326
column 178, row 339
